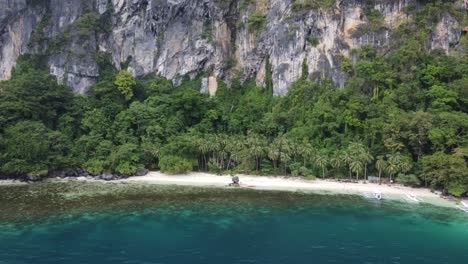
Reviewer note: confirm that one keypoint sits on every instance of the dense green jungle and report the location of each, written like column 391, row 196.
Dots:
column 402, row 116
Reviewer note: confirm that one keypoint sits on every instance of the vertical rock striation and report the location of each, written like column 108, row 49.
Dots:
column 177, row 38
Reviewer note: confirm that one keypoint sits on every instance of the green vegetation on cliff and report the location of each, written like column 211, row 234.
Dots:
column 402, row 115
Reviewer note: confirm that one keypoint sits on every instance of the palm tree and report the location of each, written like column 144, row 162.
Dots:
column 381, row 165
column 285, row 158
column 204, row 149
column 406, row 165
column 336, row 162
column 256, row 145
column 287, row 151
column 152, row 151
column 356, row 148
column 293, row 147
column 347, row 159
column 366, row 157
column 274, row 153
column 230, row 147
column 213, row 146
column 321, row 161
column 220, row 149
column 356, row 167
column 393, row 164
column 237, row 149
column 306, row 151
column 392, row 169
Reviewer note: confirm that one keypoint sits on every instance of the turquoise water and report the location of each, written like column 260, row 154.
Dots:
column 62, row 223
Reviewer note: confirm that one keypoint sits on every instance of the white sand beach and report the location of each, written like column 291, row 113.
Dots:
column 279, row 183
column 394, row 191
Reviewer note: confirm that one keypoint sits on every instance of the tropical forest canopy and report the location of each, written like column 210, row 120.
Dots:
column 402, row 115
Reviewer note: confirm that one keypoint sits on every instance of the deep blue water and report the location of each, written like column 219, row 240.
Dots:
column 210, row 226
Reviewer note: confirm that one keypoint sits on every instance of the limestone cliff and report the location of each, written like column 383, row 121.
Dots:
column 177, row 38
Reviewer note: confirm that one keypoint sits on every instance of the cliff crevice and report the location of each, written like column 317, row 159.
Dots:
column 228, row 38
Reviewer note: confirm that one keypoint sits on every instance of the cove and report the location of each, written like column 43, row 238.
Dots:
column 116, row 223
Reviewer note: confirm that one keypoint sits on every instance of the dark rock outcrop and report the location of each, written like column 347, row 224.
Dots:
column 142, row 172
column 107, row 177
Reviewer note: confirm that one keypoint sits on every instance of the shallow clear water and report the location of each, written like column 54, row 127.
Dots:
column 112, row 223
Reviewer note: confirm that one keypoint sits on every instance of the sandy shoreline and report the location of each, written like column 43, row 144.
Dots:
column 393, row 192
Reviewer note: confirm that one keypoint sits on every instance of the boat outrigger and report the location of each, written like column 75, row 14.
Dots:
column 412, row 197
column 378, row 195
column 463, row 206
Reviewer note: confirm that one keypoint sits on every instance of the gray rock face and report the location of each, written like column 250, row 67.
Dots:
column 176, row 38
column 17, row 21
column 204, row 86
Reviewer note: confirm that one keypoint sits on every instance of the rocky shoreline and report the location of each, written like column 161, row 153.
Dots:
column 80, row 175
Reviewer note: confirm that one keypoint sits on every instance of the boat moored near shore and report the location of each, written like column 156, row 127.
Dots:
column 411, row 197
